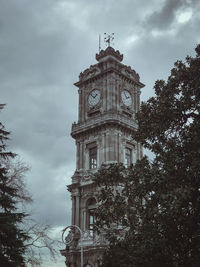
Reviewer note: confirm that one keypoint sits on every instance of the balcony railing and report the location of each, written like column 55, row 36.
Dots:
column 102, row 119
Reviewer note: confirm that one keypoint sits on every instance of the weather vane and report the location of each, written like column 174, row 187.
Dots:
column 108, row 38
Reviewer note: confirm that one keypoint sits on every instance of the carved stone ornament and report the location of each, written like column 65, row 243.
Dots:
column 69, row 238
column 72, row 239
column 89, row 73
column 109, row 52
column 86, row 175
column 87, row 235
column 130, row 73
column 100, row 240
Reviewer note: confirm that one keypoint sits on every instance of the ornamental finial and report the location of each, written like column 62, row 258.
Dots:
column 108, row 38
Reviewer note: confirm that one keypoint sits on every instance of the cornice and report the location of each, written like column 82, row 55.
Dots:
column 102, row 120
column 100, row 69
column 104, row 72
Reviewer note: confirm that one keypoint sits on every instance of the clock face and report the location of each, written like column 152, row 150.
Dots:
column 94, row 97
column 126, row 98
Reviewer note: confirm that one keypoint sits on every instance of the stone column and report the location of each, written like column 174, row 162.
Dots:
column 84, row 220
column 77, row 221
column 113, row 92
column 73, row 210
column 115, row 147
column 77, row 155
column 107, row 147
column 80, row 105
column 81, row 162
column 111, row 145
column 135, row 101
column 104, row 93
column 84, row 103
column 123, row 145
column 104, row 148
column 118, row 148
column 138, row 98
column 139, row 151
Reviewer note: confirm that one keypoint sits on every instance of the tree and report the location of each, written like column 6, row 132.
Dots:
column 39, row 241
column 21, row 237
column 150, row 212
column 11, row 236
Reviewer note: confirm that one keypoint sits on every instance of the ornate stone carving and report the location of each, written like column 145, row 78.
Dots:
column 86, row 176
column 89, row 73
column 100, row 240
column 87, row 235
column 76, row 177
column 112, row 117
column 72, row 239
column 130, row 73
column 109, row 51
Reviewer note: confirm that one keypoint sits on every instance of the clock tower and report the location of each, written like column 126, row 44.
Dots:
column 109, row 97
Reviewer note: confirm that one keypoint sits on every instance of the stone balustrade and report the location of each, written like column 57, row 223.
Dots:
column 102, row 119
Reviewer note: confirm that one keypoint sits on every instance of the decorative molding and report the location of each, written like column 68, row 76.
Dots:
column 130, row 73
column 92, row 71
column 109, row 52
column 102, row 119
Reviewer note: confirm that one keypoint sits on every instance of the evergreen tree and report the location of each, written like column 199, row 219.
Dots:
column 150, row 212
column 11, row 236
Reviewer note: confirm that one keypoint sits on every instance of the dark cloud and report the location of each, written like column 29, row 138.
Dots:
column 165, row 16
column 44, row 45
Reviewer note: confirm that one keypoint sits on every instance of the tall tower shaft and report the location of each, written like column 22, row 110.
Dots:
column 109, row 97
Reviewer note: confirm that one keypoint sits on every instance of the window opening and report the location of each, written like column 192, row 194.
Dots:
column 128, row 158
column 91, row 221
column 91, row 205
column 93, row 158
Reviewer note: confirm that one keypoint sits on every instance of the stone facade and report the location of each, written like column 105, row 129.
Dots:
column 109, row 97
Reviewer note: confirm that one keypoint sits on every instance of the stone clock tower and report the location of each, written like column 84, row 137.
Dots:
column 109, row 97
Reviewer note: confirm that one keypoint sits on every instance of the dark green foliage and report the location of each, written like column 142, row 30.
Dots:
column 11, row 237
column 157, row 204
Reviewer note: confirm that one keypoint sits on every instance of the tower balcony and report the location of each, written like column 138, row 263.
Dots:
column 100, row 120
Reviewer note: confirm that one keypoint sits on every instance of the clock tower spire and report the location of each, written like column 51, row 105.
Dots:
column 109, row 97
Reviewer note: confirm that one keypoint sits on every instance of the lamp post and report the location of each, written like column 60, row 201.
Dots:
column 81, row 234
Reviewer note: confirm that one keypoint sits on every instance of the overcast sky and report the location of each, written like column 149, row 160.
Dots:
column 45, row 44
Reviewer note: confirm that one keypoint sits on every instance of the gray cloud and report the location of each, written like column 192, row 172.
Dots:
column 44, row 45
column 163, row 18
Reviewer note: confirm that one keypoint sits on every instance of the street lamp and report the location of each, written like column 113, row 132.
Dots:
column 81, row 234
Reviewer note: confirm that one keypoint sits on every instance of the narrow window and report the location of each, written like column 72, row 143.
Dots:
column 128, row 158
column 93, row 157
column 91, row 205
column 91, row 221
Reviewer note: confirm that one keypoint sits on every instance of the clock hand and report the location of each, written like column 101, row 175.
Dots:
column 125, row 95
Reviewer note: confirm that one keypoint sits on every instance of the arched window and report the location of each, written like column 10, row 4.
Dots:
column 91, row 205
